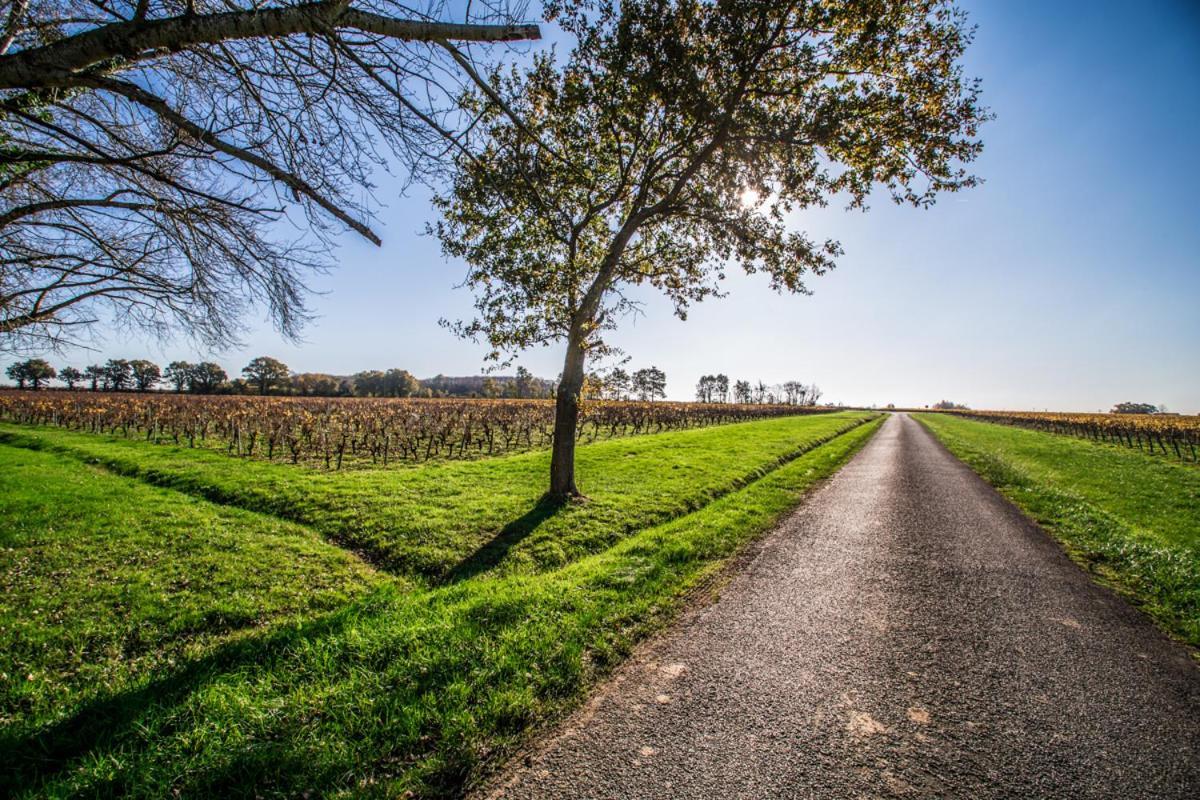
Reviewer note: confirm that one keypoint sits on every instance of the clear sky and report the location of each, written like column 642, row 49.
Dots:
column 1069, row 281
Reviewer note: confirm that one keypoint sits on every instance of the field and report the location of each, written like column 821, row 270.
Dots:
column 179, row 619
column 339, row 432
column 1165, row 434
column 1130, row 517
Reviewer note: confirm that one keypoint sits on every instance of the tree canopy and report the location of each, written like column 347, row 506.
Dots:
column 677, row 138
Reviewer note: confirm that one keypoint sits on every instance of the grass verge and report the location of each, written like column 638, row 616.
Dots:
column 405, row 690
column 449, row 521
column 105, row 581
column 1131, row 519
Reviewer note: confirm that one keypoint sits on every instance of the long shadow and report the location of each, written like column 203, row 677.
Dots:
column 495, row 549
column 30, row 759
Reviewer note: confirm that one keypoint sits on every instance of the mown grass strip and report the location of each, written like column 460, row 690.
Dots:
column 405, row 691
column 1130, row 518
column 105, row 581
column 447, row 521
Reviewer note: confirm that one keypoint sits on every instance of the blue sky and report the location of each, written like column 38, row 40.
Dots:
column 1069, row 281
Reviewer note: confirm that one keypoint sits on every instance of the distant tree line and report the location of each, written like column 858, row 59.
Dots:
column 646, row 384
column 266, row 375
column 718, row 389
column 1138, row 408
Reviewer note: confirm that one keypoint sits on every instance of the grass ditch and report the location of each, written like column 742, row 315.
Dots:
column 447, row 521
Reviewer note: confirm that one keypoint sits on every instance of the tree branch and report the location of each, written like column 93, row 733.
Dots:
column 57, row 64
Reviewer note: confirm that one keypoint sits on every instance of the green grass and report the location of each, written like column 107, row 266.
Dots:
column 410, row 683
column 451, row 520
column 1133, row 519
column 106, row 580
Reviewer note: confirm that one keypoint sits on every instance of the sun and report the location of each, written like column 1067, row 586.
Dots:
column 750, row 198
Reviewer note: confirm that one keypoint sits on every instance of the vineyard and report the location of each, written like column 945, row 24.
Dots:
column 1152, row 433
column 343, row 432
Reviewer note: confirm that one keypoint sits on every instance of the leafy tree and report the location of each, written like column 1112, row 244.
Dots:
column 315, row 384
column 617, row 383
column 146, row 374
column 679, row 136
column 152, row 147
column 95, row 375
column 206, row 377
column 649, row 383
column 70, row 376
column 369, row 383
column 265, row 372
column 179, row 373
column 706, row 388
column 16, row 372
column 1135, row 408
column 524, row 382
column 721, row 388
column 118, row 374
column 38, row 371
column 400, row 383
column 741, row 392
column 33, row 371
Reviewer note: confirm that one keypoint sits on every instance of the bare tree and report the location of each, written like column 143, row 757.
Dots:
column 150, row 149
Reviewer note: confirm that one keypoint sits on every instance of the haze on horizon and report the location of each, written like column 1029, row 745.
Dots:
column 1068, row 281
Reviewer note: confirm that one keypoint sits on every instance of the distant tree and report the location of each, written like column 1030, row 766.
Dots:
column 948, row 405
column 146, row 374
column 400, row 383
column 118, row 373
column 721, row 388
column 369, row 383
column 315, row 384
column 490, row 388
column 266, row 372
column 19, row 373
column 524, row 382
column 206, row 377
column 618, row 383
column 793, row 392
column 742, row 392
column 760, row 392
column 812, row 395
column 649, row 383
column 593, row 386
column 1135, row 408
column 96, row 376
column 70, row 376
column 179, row 373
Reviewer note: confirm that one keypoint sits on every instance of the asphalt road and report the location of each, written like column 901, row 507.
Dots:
column 905, row 633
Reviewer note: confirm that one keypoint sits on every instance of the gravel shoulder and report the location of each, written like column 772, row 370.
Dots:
column 906, row 632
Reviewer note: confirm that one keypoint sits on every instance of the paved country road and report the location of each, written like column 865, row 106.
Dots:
column 905, row 633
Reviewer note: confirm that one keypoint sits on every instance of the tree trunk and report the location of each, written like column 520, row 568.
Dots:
column 566, row 421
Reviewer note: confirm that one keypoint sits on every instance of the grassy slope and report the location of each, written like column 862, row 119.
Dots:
column 452, row 520
column 1131, row 518
column 106, row 580
column 404, row 689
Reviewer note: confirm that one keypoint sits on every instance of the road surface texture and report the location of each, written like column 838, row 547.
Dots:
column 905, row 633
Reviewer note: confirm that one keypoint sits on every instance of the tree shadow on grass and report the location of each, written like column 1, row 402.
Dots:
column 29, row 760
column 492, row 552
